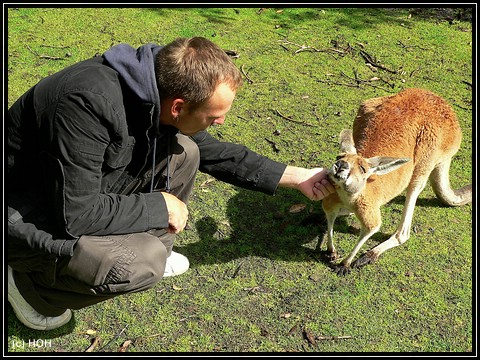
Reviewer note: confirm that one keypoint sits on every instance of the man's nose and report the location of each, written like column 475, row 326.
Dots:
column 219, row 121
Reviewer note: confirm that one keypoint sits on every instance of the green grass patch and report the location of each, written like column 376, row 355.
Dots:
column 257, row 283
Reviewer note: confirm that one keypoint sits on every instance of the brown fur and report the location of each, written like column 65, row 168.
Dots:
column 415, row 126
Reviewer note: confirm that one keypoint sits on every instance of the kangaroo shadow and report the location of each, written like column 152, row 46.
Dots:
column 421, row 201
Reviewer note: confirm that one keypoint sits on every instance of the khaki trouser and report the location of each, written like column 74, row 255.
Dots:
column 103, row 267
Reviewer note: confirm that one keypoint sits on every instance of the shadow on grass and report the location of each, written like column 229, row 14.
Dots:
column 351, row 17
column 256, row 225
column 262, row 226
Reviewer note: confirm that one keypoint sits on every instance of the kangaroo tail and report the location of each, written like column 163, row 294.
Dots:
column 440, row 180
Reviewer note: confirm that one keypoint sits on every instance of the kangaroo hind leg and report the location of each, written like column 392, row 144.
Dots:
column 402, row 234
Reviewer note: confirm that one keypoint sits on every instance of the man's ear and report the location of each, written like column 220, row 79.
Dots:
column 177, row 107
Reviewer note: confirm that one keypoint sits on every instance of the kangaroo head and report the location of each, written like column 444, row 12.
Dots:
column 351, row 171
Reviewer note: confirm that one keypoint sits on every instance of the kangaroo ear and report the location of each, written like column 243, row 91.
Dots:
column 346, row 142
column 383, row 164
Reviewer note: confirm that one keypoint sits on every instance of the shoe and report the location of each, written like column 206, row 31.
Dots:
column 28, row 315
column 176, row 264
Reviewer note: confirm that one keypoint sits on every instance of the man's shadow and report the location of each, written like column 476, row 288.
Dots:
column 263, row 226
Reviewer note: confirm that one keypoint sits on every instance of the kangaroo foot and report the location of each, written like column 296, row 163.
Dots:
column 330, row 256
column 368, row 258
column 342, row 270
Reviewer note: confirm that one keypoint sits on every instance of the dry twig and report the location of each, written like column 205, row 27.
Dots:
column 290, row 119
column 245, row 74
column 55, row 47
column 333, row 337
column 274, row 145
column 44, row 56
column 237, row 270
column 115, row 337
column 330, row 51
column 368, row 58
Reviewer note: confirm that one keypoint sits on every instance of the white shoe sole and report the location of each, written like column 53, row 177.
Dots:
column 28, row 315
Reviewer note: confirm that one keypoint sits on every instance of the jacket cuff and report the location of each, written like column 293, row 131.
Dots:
column 271, row 175
column 157, row 210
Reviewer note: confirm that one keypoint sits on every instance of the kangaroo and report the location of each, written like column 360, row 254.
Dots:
column 398, row 142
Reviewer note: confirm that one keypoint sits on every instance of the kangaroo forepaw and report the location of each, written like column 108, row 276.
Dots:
column 342, row 270
column 366, row 259
column 330, row 256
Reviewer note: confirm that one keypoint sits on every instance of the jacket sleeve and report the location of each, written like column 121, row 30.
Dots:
column 74, row 168
column 238, row 165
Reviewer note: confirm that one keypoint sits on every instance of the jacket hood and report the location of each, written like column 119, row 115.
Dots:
column 136, row 68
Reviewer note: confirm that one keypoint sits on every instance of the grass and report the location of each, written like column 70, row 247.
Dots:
column 257, row 282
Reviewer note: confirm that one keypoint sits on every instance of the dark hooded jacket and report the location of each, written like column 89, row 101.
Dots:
column 82, row 137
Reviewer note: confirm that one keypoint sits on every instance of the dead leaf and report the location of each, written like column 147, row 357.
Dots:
column 124, row 346
column 309, row 336
column 225, row 222
column 297, row 208
column 177, row 288
column 206, row 182
column 286, row 315
column 94, row 344
column 292, row 330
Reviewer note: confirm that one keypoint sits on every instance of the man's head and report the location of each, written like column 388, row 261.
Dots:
column 197, row 83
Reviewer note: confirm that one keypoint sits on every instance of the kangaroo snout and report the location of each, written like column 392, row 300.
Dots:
column 341, row 170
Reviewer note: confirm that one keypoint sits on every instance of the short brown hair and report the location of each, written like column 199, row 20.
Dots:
column 191, row 69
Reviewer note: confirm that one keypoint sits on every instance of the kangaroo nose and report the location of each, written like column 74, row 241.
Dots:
column 340, row 165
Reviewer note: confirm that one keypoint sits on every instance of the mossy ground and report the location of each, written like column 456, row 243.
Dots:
column 257, row 283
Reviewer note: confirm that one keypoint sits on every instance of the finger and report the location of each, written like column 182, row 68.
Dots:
column 174, row 229
column 327, row 186
column 318, row 194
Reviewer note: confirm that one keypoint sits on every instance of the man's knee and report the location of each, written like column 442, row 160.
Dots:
column 118, row 263
column 149, row 265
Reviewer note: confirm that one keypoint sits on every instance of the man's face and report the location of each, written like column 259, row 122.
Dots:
column 212, row 112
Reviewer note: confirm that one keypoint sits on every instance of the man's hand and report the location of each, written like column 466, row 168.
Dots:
column 313, row 183
column 177, row 213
